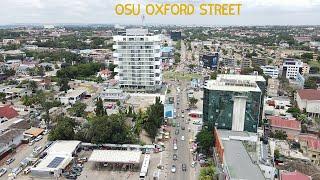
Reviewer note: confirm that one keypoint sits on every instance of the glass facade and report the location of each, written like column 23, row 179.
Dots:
column 218, row 108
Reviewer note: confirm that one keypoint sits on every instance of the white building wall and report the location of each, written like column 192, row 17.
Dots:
column 239, row 110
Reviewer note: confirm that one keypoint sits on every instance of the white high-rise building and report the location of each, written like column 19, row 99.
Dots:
column 137, row 54
column 291, row 68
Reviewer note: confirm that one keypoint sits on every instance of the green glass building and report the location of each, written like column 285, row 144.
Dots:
column 234, row 102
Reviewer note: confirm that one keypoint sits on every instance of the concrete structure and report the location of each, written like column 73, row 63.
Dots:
column 273, row 87
column 309, row 99
column 271, row 71
column 72, row 96
column 291, row 68
column 305, row 69
column 310, row 145
column 209, row 61
column 10, row 139
column 137, row 54
column 59, row 156
column 233, row 102
column 113, row 95
column 236, row 162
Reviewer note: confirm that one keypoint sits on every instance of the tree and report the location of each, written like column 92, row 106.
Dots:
column 208, row 173
column 276, row 154
column 307, row 56
column 2, row 96
column 247, row 71
column 100, row 110
column 303, row 118
column 213, row 75
column 63, row 83
column 310, row 83
column 294, row 111
column 32, row 85
column 155, row 118
column 64, row 130
column 78, row 109
column 193, row 101
column 205, row 139
column 279, row 134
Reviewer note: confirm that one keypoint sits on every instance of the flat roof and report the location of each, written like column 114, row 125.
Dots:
column 63, row 148
column 34, row 131
column 224, row 86
column 52, row 163
column 239, row 163
column 252, row 78
column 115, row 156
column 75, row 93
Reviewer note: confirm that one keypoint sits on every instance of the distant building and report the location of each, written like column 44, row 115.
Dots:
column 309, row 100
column 113, row 95
column 291, row 68
column 310, row 146
column 6, row 42
column 258, row 61
column 72, row 96
column 305, row 69
column 105, row 74
column 234, row 102
column 209, row 61
column 271, row 71
column 8, row 112
column 175, row 35
column 273, row 87
column 291, row 126
column 284, row 175
column 246, row 63
column 137, row 54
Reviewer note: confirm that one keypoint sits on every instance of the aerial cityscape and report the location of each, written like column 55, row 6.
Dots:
column 159, row 100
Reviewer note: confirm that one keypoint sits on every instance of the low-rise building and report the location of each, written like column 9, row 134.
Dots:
column 291, row 68
column 271, row 71
column 72, row 96
column 290, row 126
column 273, row 87
column 310, row 145
column 285, row 175
column 113, row 95
column 309, row 100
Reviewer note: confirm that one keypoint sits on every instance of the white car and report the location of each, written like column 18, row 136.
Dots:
column 3, row 171
column 173, row 168
column 182, row 138
column 31, row 143
column 38, row 138
column 175, row 147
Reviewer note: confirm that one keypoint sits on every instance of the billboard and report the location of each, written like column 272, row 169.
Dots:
column 168, row 111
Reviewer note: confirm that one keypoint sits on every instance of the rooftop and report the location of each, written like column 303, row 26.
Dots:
column 313, row 142
column 9, row 135
column 64, row 148
column 33, row 131
column 309, row 94
column 75, row 93
column 277, row 121
column 293, row 176
column 8, row 112
column 115, row 156
column 52, row 163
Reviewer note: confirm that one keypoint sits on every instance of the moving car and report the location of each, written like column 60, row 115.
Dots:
column 175, row 157
column 177, row 131
column 184, row 167
column 175, row 147
column 183, row 128
column 173, row 169
column 182, row 138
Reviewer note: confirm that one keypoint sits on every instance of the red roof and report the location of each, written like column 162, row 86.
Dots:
column 309, row 94
column 277, row 121
column 293, row 176
column 313, row 142
column 8, row 112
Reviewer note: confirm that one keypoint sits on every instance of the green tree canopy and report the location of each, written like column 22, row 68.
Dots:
column 206, row 140
column 64, row 130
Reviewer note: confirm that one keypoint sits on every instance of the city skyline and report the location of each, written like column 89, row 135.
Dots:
column 254, row 12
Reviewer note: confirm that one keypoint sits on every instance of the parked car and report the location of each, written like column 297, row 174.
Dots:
column 31, row 142
column 173, row 168
column 183, row 128
column 177, row 131
column 27, row 170
column 3, row 171
column 38, row 138
column 182, row 138
column 9, row 161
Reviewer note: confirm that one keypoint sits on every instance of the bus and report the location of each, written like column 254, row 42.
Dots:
column 144, row 168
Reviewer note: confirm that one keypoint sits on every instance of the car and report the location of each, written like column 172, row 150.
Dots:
column 178, row 124
column 38, row 138
column 183, row 128
column 3, row 171
column 175, row 157
column 175, row 147
column 173, row 169
column 16, row 171
column 45, row 131
column 9, row 161
column 31, row 142
column 182, row 111
column 193, row 164
column 182, row 116
column 182, row 138
column 27, row 170
column 177, row 131
column 184, row 167
column 84, row 159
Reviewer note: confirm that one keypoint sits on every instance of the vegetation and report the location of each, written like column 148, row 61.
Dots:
column 206, row 140
column 193, row 101
column 208, row 173
column 79, row 71
column 294, row 111
column 278, row 134
column 100, row 110
column 78, row 109
column 2, row 96
column 213, row 75
column 64, row 129
column 311, row 83
column 55, row 56
column 154, row 118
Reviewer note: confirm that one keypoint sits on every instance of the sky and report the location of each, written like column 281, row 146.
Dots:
column 253, row 12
